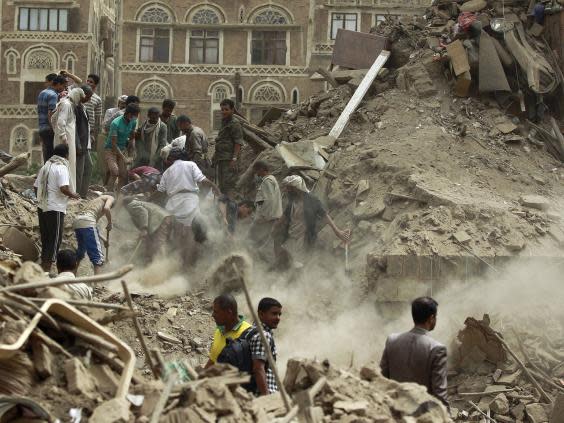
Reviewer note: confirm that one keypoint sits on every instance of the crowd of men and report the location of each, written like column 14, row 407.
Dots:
column 159, row 171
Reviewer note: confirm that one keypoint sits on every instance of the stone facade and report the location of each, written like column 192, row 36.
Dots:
column 38, row 38
column 199, row 53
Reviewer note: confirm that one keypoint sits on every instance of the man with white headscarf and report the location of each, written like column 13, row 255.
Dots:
column 64, row 125
column 303, row 217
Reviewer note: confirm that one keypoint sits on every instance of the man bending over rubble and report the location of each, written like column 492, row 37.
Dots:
column 86, row 230
column 230, row 325
column 416, row 357
column 269, row 313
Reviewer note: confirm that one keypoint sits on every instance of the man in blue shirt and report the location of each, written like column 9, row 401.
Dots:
column 46, row 103
column 119, row 139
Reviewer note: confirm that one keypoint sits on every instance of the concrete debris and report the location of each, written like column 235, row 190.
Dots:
column 535, row 202
column 113, row 411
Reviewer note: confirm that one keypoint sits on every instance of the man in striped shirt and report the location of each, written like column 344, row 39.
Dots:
column 94, row 112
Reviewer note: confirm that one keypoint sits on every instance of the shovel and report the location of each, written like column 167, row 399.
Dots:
column 347, row 264
column 107, row 245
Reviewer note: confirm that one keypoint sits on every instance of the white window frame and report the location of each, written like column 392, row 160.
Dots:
column 250, row 46
column 343, row 12
column 220, row 52
column 138, row 46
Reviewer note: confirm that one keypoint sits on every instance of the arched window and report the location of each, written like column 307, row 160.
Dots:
column 40, row 59
column 11, row 61
column 206, row 16
column 69, row 62
column 295, row 96
column 268, row 93
column 20, row 140
column 218, row 92
column 154, row 43
column 154, row 92
column 155, row 14
column 271, row 16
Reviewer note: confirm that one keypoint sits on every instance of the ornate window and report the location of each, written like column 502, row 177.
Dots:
column 11, row 61
column 204, row 46
column 218, row 92
column 206, row 16
column 40, row 59
column 69, row 62
column 154, row 92
column 271, row 16
column 20, row 140
column 268, row 93
column 343, row 21
column 155, row 14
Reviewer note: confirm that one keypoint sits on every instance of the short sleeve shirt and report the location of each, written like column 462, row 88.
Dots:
column 231, row 133
column 122, row 129
column 58, row 177
column 46, row 102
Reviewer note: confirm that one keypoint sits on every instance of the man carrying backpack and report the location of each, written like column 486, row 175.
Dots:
column 230, row 326
column 269, row 313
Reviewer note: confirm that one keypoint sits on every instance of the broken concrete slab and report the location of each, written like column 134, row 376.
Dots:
column 500, row 404
column 106, row 380
column 473, row 6
column 462, row 237
column 357, row 50
column 79, row 381
column 367, row 210
column 20, row 243
column 557, row 414
column 113, row 411
column 303, row 154
column 458, row 57
column 506, row 127
column 536, row 413
column 352, row 407
column 535, row 202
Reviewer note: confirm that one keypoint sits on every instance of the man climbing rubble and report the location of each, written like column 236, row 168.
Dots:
column 416, row 357
column 86, row 230
column 269, row 313
column 230, row 325
column 303, row 218
column 67, row 266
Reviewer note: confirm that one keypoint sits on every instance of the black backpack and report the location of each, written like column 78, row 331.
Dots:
column 237, row 352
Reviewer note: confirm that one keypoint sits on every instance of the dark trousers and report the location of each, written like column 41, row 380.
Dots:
column 226, row 178
column 51, row 225
column 83, row 173
column 47, row 143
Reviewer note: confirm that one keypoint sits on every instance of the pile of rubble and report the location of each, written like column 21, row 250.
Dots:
column 517, row 378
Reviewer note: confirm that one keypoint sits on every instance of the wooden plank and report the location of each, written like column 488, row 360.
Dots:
column 458, row 57
column 359, row 94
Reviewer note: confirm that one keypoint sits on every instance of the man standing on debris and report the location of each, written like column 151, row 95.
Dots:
column 67, row 266
column 302, row 219
column 227, row 147
column 230, row 325
column 150, row 139
column 268, row 204
column 269, row 313
column 46, row 104
column 169, row 119
column 83, row 143
column 86, row 230
column 52, row 188
column 121, row 133
column 194, row 142
column 416, row 357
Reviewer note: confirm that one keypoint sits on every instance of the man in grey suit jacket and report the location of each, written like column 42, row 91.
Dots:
column 416, row 357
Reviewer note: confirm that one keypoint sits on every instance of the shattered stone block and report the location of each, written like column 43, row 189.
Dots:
column 500, row 404
column 42, row 359
column 535, row 202
column 352, row 407
column 79, row 380
column 536, row 413
column 112, row 411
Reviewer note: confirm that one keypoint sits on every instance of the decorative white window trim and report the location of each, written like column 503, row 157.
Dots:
column 189, row 45
column 46, row 36
column 323, row 49
column 267, row 92
column 272, row 14
column 218, row 91
column 154, row 90
column 156, row 13
column 225, row 70
column 206, row 14
column 18, row 111
column 40, row 58
column 12, row 57
column 20, row 140
column 69, row 62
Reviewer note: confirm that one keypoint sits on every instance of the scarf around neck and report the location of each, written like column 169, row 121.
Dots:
column 43, row 176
